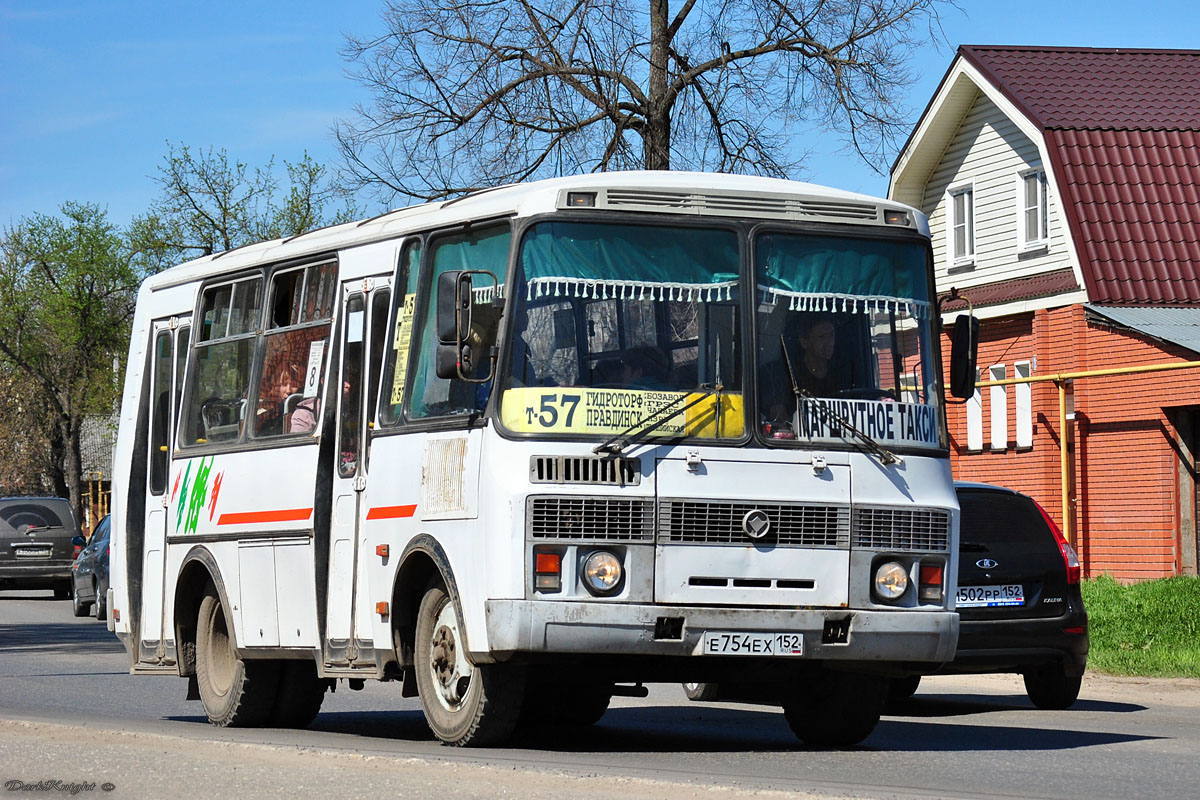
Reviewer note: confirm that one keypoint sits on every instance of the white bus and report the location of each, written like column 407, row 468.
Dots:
column 540, row 445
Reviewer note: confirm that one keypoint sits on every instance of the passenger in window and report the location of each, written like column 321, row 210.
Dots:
column 805, row 355
column 277, row 400
column 304, row 418
column 815, row 372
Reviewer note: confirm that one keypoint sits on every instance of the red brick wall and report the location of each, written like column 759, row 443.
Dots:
column 1126, row 516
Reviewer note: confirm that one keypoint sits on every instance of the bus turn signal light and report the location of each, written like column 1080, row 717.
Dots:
column 931, row 583
column 547, row 572
column 381, row 550
column 381, row 608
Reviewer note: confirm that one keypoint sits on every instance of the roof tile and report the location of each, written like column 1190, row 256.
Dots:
column 1123, row 129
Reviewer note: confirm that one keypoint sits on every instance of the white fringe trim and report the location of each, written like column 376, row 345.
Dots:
column 584, row 288
column 809, row 301
column 486, row 294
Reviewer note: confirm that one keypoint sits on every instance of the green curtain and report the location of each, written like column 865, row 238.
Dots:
column 826, row 273
column 579, row 259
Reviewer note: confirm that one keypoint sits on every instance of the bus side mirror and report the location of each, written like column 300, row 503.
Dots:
column 453, row 306
column 445, row 361
column 448, row 359
column 458, row 341
column 964, row 349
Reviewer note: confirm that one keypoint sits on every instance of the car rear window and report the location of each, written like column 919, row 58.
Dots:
column 18, row 516
column 1001, row 517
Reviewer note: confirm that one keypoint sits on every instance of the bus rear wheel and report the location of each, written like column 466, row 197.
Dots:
column 465, row 704
column 235, row 692
column 299, row 696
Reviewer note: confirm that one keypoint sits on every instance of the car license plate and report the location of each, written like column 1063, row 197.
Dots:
column 722, row 643
column 986, row 596
column 33, row 552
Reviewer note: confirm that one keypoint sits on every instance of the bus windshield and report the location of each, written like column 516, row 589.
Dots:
column 617, row 326
column 614, row 323
column 844, row 328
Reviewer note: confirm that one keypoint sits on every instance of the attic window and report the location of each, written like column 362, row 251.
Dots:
column 961, row 224
column 1033, row 209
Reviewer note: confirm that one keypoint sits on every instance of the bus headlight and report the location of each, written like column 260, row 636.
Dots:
column 891, row 580
column 601, row 572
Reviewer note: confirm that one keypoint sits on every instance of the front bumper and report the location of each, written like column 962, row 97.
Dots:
column 576, row 628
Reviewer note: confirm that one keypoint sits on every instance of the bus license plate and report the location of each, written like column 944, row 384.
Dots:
column 721, row 643
column 987, row 596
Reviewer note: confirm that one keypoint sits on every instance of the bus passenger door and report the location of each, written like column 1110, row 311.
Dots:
column 364, row 320
column 170, row 345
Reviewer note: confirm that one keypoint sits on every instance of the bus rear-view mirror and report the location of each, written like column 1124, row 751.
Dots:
column 453, row 306
column 964, row 350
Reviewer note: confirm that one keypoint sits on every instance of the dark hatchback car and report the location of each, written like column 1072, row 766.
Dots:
column 89, row 583
column 1019, row 602
column 36, row 547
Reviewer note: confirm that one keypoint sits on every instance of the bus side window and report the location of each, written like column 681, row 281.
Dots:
column 353, row 333
column 399, row 342
column 379, row 329
column 161, row 414
column 218, row 388
column 288, row 397
column 476, row 250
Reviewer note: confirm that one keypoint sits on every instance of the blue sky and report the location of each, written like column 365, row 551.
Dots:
column 91, row 92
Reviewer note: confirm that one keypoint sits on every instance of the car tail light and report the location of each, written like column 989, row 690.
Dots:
column 1070, row 557
column 78, row 550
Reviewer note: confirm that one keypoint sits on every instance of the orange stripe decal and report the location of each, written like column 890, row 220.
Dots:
column 391, row 512
column 251, row 517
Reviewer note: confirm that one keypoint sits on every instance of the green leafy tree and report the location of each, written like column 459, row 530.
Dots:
column 209, row 203
column 67, row 291
column 476, row 93
column 29, row 446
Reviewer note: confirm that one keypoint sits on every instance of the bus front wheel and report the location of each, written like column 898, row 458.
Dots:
column 235, row 692
column 465, row 704
column 838, row 709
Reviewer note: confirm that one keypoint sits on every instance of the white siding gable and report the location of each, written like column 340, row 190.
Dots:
column 990, row 152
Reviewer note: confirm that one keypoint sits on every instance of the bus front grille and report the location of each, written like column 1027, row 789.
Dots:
column 883, row 528
column 716, row 522
column 601, row 518
column 594, row 470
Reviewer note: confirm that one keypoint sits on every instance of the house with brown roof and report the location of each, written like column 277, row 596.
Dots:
column 1063, row 191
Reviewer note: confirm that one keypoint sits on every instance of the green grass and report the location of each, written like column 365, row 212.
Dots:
column 1147, row 629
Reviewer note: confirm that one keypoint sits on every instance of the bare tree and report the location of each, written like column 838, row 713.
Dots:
column 210, row 203
column 474, row 93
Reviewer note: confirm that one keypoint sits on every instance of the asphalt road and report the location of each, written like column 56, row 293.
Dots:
column 70, row 712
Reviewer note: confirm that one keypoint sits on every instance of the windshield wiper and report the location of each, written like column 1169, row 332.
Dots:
column 884, row 455
column 656, row 419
